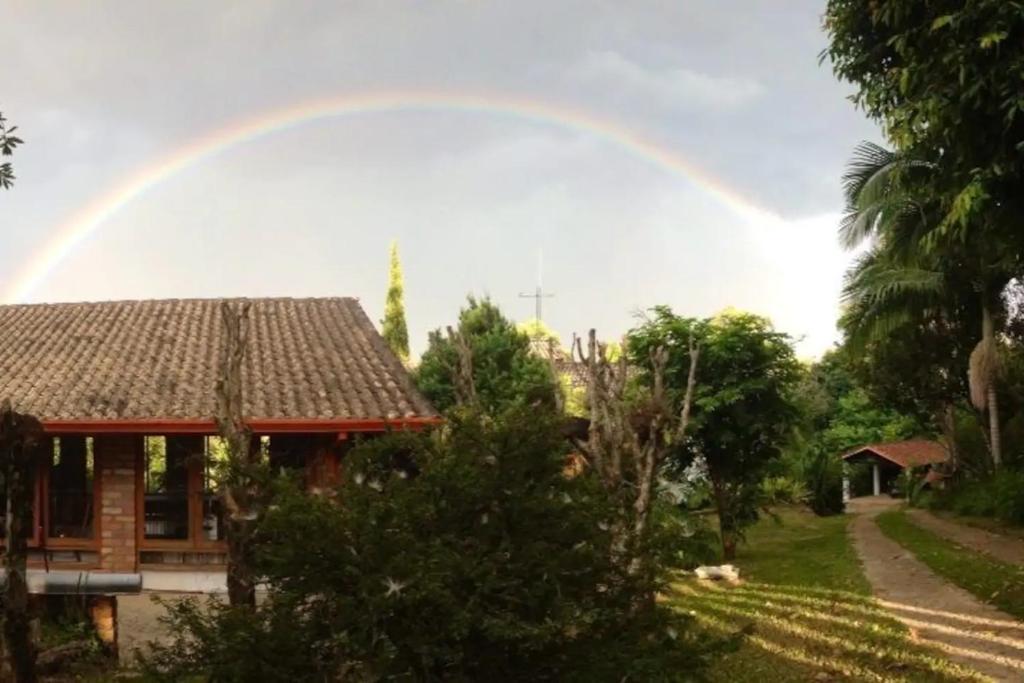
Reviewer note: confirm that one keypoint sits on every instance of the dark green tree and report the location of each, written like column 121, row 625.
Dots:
column 8, row 141
column 743, row 411
column 943, row 78
column 905, row 279
column 466, row 555
column 504, row 371
column 393, row 327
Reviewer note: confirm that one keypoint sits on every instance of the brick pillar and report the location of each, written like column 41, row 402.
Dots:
column 116, row 458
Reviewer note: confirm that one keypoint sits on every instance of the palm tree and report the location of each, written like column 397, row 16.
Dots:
column 8, row 141
column 907, row 276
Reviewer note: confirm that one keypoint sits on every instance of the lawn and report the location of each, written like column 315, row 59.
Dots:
column 986, row 523
column 806, row 607
column 997, row 583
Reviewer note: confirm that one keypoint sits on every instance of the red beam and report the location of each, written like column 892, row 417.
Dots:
column 259, row 426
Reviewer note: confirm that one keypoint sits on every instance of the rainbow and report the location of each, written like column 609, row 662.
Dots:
column 91, row 217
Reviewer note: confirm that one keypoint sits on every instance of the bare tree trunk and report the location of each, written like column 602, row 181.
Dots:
column 18, row 437
column 992, row 402
column 626, row 455
column 726, row 528
column 995, row 430
column 239, row 489
column 948, row 423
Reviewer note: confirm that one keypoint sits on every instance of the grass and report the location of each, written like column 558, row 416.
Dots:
column 986, row 523
column 807, row 611
column 995, row 582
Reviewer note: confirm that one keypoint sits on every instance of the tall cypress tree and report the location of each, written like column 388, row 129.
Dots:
column 394, row 329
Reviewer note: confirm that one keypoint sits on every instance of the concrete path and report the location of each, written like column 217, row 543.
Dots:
column 1005, row 548
column 968, row 631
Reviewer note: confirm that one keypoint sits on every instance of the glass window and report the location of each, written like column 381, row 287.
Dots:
column 214, row 467
column 70, row 495
column 165, row 502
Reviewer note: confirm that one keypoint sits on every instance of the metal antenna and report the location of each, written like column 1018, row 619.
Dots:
column 538, row 295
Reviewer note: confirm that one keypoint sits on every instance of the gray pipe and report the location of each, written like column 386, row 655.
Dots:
column 69, row 582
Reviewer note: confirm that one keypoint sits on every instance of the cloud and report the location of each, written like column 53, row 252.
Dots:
column 673, row 88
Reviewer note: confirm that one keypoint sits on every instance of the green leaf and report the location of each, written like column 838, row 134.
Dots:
column 944, row 20
column 991, row 39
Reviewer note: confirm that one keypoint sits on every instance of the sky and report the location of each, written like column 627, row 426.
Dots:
column 683, row 152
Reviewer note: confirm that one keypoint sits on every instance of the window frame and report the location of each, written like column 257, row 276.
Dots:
column 195, row 477
column 43, row 502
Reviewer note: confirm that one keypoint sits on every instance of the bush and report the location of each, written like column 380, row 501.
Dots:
column 784, row 490
column 462, row 556
column 1000, row 496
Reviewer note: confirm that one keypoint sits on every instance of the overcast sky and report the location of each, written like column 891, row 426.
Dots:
column 101, row 91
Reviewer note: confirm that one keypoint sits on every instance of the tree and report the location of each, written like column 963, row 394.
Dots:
column 20, row 435
column 628, row 441
column 8, row 141
column 742, row 406
column 393, row 327
column 943, row 80
column 504, row 372
column 241, row 488
column 902, row 280
column 462, row 555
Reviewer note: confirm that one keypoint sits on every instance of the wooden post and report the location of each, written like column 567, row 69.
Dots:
column 876, row 477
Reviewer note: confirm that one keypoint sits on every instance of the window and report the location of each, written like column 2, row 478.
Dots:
column 166, row 486
column 183, row 476
column 71, row 488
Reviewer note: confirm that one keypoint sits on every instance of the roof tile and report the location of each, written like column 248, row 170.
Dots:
column 159, row 359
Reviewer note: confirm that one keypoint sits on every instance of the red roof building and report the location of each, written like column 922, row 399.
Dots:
column 889, row 459
column 126, row 392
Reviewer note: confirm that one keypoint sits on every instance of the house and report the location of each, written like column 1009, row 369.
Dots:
column 125, row 390
column 888, row 460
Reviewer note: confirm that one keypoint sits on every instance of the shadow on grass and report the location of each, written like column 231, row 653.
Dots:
column 800, row 633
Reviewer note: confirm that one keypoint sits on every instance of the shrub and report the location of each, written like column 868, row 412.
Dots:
column 1000, row 496
column 462, row 556
column 784, row 490
column 1009, row 496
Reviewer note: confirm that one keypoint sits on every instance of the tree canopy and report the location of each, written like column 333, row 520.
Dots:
column 943, row 78
column 505, row 372
column 742, row 406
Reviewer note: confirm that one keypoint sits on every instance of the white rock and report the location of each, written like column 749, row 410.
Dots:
column 725, row 572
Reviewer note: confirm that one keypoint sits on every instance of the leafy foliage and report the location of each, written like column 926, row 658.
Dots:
column 393, row 327
column 942, row 78
column 742, row 409
column 505, row 373
column 466, row 555
column 1000, row 495
column 8, row 141
column 837, row 414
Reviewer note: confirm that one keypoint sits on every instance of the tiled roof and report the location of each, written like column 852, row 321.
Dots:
column 120, row 360
column 903, row 453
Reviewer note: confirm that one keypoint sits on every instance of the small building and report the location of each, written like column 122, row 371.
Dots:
column 125, row 391
column 888, row 460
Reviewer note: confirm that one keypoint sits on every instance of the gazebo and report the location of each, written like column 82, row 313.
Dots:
column 888, row 460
